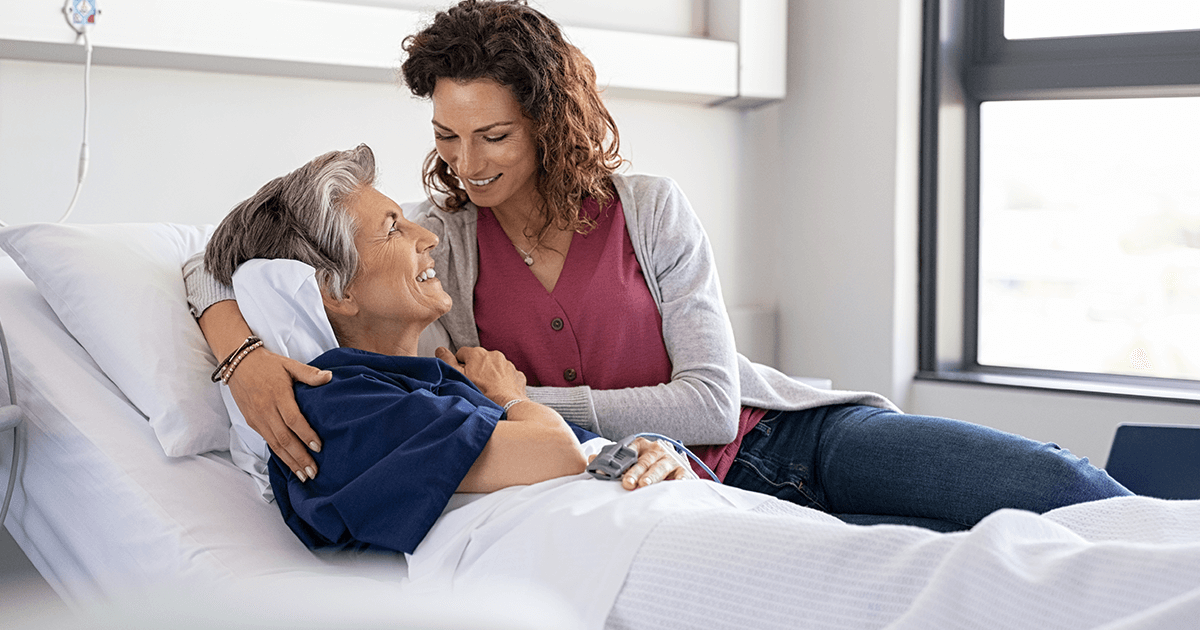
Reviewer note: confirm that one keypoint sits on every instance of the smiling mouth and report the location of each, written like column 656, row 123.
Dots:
column 428, row 274
column 482, row 182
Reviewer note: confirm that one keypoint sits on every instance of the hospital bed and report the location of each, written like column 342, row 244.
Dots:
column 106, row 516
column 121, row 530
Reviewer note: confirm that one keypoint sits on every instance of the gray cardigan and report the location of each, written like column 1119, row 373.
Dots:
column 710, row 381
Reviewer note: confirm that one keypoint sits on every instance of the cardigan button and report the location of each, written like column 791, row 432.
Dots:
column 569, row 374
column 556, row 323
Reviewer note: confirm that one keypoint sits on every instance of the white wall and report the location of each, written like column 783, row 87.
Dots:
column 185, row 146
column 832, row 166
column 172, row 145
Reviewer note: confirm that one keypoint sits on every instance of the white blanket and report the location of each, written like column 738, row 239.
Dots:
column 1130, row 562
column 695, row 554
column 572, row 536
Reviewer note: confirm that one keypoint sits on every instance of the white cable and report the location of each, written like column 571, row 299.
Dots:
column 87, row 97
column 681, row 448
column 84, row 154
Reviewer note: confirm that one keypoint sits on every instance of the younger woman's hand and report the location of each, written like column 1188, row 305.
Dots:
column 491, row 372
column 262, row 388
column 657, row 461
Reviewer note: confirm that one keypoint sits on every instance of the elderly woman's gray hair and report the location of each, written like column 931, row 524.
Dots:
column 299, row 216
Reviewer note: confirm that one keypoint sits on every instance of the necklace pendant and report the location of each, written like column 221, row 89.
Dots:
column 528, row 260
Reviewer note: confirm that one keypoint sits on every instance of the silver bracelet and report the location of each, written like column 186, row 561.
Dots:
column 512, row 402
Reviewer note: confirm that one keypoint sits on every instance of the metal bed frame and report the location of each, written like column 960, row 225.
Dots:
column 10, row 418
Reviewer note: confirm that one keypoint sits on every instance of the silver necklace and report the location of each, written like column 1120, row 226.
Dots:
column 529, row 254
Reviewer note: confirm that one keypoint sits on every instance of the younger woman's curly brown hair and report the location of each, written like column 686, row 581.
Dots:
column 554, row 83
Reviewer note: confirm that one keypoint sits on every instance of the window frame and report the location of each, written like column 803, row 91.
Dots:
column 967, row 61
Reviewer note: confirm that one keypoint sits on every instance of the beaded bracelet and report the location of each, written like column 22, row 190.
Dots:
column 233, row 364
column 250, row 341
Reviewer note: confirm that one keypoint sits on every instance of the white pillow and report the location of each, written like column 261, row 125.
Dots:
column 118, row 288
column 281, row 302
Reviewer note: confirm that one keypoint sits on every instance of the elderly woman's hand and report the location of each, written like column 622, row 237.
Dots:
column 262, row 389
column 491, row 372
column 657, row 461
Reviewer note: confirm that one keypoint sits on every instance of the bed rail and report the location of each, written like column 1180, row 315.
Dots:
column 10, row 418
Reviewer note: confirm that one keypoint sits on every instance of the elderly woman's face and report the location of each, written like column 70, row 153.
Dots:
column 391, row 287
column 488, row 142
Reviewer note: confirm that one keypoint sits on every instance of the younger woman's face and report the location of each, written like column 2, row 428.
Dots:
column 488, row 142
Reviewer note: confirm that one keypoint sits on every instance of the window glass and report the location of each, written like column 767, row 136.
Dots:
column 1090, row 236
column 1026, row 19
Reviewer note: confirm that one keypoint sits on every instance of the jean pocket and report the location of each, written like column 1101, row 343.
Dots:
column 790, row 484
column 766, row 425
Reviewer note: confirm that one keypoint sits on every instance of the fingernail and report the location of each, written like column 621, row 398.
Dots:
column 316, row 448
column 311, row 473
column 300, row 476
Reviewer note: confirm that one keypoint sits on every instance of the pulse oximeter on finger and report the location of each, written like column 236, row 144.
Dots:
column 613, row 460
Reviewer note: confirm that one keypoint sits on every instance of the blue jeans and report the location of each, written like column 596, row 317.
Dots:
column 867, row 466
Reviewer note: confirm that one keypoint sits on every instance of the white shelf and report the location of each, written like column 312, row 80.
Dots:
column 352, row 42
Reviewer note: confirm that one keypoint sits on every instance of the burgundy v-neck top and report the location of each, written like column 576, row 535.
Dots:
column 599, row 326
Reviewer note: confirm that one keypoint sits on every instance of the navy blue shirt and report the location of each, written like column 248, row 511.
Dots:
column 399, row 435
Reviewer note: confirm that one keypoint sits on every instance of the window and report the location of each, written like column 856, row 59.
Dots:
column 1027, row 19
column 1060, row 192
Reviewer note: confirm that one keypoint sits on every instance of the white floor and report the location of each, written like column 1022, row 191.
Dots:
column 21, row 588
